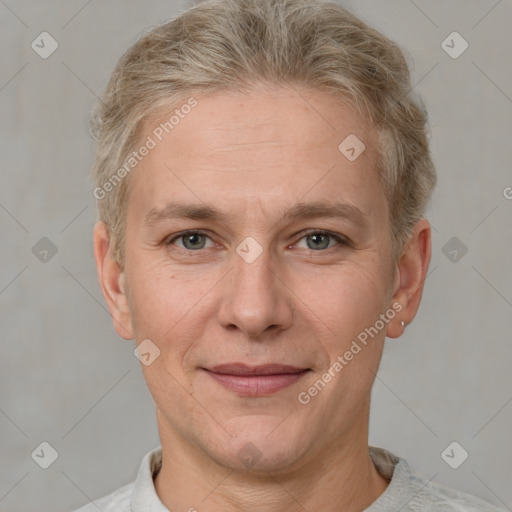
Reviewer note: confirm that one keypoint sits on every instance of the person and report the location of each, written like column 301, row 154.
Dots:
column 262, row 173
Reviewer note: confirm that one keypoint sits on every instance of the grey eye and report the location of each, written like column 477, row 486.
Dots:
column 318, row 241
column 193, row 241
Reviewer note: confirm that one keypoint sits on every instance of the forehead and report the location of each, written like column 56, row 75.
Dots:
column 257, row 149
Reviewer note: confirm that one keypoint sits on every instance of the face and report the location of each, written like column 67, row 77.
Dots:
column 257, row 253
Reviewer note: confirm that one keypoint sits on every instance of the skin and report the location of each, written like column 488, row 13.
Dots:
column 301, row 302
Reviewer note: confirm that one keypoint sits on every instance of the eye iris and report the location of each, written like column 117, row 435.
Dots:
column 318, row 238
column 190, row 241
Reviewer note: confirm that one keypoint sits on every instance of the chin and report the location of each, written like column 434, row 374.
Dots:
column 260, row 447
column 251, row 458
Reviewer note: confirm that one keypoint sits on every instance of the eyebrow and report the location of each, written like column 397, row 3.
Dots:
column 313, row 210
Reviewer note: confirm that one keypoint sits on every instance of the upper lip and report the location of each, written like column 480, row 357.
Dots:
column 264, row 369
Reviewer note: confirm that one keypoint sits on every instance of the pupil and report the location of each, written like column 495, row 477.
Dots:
column 192, row 240
column 318, row 241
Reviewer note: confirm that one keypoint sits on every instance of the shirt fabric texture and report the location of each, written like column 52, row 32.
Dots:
column 406, row 492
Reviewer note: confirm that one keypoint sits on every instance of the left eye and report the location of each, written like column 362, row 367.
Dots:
column 320, row 240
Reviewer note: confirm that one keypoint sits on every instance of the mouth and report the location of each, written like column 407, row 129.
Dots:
column 262, row 380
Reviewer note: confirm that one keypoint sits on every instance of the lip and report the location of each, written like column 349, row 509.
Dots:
column 261, row 380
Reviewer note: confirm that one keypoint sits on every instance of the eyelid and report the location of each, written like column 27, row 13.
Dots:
column 341, row 239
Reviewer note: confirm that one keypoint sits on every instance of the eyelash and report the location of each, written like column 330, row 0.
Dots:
column 342, row 241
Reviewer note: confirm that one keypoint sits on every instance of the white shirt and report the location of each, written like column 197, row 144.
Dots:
column 405, row 493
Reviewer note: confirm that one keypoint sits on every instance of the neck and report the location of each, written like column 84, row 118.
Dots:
column 343, row 477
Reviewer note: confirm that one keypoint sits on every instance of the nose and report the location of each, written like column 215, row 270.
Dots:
column 256, row 298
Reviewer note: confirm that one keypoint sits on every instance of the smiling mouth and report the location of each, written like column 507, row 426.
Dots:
column 260, row 380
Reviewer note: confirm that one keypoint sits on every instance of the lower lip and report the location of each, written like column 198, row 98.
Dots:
column 256, row 385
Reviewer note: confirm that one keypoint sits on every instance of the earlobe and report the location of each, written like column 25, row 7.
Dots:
column 410, row 277
column 112, row 282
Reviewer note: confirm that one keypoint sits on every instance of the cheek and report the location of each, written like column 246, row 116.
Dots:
column 158, row 300
column 353, row 300
column 350, row 298
column 171, row 311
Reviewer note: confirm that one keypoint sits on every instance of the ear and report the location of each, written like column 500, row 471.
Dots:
column 410, row 276
column 111, row 278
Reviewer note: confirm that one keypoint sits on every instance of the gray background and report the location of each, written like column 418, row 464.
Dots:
column 66, row 377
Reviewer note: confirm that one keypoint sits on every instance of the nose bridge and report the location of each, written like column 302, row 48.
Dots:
column 254, row 298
